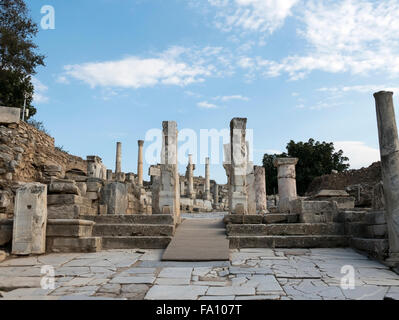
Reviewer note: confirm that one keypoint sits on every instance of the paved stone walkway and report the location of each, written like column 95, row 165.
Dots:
column 199, row 240
column 258, row 274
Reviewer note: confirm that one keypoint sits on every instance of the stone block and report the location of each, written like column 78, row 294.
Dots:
column 375, row 217
column 67, row 199
column 243, row 219
column 30, row 220
column 82, row 188
column 69, row 228
column 114, row 195
column 9, row 115
column 93, row 186
column 61, row 244
column 315, row 211
column 331, row 193
column 63, row 187
column 72, row 211
column 92, row 195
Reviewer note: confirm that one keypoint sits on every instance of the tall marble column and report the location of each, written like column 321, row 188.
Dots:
column 118, row 164
column 169, row 197
column 190, row 177
column 389, row 149
column 207, row 180
column 286, row 182
column 140, row 163
column 239, row 201
column 260, row 190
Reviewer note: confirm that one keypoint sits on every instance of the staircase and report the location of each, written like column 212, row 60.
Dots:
column 133, row 231
column 283, row 231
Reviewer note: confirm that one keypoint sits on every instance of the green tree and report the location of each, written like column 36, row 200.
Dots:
column 315, row 159
column 18, row 56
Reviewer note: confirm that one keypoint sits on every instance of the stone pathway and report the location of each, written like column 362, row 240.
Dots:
column 255, row 274
column 199, row 240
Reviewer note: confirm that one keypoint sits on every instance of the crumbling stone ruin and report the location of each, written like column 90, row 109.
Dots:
column 80, row 205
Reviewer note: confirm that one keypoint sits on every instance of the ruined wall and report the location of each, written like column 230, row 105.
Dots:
column 29, row 155
column 358, row 183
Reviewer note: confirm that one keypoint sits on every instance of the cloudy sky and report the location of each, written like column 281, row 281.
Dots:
column 297, row 69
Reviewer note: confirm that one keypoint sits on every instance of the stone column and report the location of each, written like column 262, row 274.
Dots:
column 118, row 164
column 216, row 194
column 30, row 220
column 140, row 163
column 286, row 182
column 169, row 197
column 207, row 180
column 239, row 201
column 260, row 190
column 389, row 149
column 190, row 177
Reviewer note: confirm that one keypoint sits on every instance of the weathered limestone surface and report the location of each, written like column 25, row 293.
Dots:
column 63, row 186
column 30, row 220
column 389, row 149
column 238, row 169
column 260, row 190
column 190, row 177
column 315, row 211
column 118, row 161
column 9, row 115
column 115, row 196
column 155, row 173
column 95, row 168
column 286, row 182
column 168, row 194
column 207, row 180
column 140, row 163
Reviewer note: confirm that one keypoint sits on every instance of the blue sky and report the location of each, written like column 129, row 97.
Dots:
column 297, row 69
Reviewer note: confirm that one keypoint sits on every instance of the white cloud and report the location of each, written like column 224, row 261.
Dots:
column 40, row 91
column 252, row 15
column 207, row 105
column 176, row 66
column 359, row 154
column 359, row 88
column 233, row 97
column 356, row 36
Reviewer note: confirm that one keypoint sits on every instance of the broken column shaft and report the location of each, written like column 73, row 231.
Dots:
column 389, row 149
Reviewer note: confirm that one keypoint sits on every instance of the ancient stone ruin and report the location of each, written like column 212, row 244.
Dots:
column 51, row 201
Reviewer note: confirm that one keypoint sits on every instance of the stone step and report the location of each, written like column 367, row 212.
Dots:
column 332, row 241
column 374, row 247
column 69, row 228
column 133, row 230
column 64, row 245
column 135, row 242
column 288, row 229
column 131, row 219
column 243, row 219
column 280, row 218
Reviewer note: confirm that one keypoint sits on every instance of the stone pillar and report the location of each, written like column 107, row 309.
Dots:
column 118, row 164
column 140, row 163
column 169, row 196
column 227, row 168
column 389, row 149
column 216, row 194
column 286, row 182
column 239, row 201
column 260, row 190
column 207, row 180
column 190, row 177
column 155, row 173
column 30, row 220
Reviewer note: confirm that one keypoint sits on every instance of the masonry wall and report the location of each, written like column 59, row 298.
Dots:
column 29, row 155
